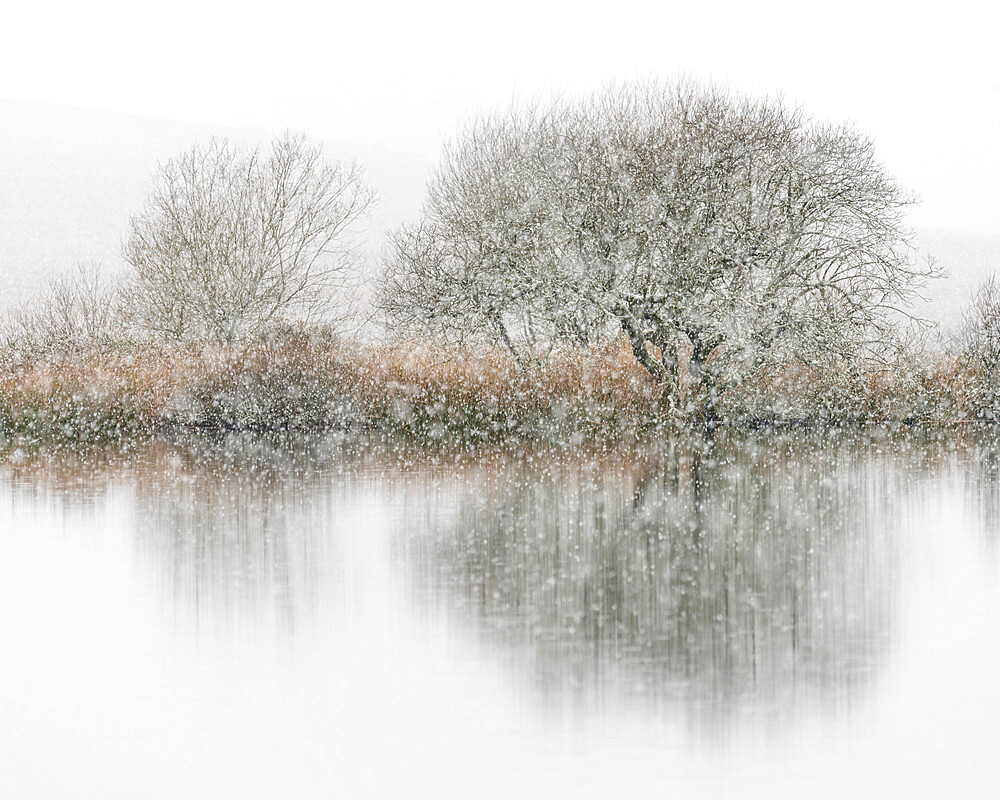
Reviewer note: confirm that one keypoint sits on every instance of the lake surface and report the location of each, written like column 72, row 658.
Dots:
column 763, row 615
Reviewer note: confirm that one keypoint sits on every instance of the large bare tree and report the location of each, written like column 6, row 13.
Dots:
column 722, row 233
column 233, row 240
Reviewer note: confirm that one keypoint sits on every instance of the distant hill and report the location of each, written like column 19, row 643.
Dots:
column 69, row 178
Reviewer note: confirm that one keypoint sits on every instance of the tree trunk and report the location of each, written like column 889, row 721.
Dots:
column 664, row 370
column 703, row 383
column 509, row 344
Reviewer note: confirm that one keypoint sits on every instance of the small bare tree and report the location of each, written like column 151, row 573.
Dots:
column 723, row 234
column 979, row 343
column 74, row 313
column 233, row 240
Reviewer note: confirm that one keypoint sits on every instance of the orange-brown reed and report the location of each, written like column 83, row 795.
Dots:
column 318, row 382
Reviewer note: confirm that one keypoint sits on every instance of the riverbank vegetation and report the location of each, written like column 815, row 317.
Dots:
column 655, row 256
column 297, row 381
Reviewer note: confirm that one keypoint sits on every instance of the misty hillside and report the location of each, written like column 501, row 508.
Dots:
column 967, row 259
column 69, row 178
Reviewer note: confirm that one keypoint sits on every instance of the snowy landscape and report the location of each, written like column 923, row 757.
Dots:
column 616, row 422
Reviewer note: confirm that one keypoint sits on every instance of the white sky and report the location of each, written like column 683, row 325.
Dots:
column 924, row 81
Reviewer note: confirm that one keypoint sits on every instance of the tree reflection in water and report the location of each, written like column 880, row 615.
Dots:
column 709, row 569
column 748, row 567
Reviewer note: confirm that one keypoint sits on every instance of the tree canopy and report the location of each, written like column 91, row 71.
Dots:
column 720, row 233
column 234, row 239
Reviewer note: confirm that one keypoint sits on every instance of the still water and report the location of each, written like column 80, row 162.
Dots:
column 763, row 615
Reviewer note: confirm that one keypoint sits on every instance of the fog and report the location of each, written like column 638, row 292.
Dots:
column 389, row 84
column 71, row 177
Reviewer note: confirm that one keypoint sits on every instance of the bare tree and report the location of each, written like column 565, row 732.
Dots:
column 723, row 234
column 979, row 346
column 233, row 240
column 484, row 262
column 80, row 311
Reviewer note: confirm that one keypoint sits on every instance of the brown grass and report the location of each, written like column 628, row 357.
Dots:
column 319, row 383
column 308, row 384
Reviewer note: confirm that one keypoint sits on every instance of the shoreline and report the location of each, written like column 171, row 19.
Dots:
column 327, row 386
